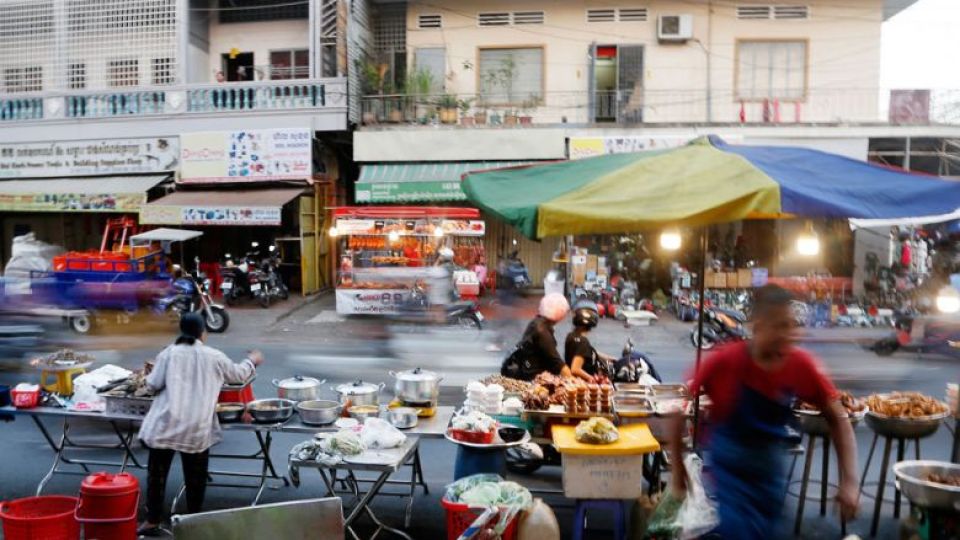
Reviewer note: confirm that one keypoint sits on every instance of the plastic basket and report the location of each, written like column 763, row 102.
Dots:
column 130, row 406
column 461, row 516
column 475, row 437
column 33, row 518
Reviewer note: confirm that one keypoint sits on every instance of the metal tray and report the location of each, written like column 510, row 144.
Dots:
column 904, row 427
column 633, row 407
column 632, row 388
column 911, row 480
column 670, row 391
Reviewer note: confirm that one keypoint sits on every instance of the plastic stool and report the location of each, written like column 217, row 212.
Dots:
column 613, row 505
column 64, row 380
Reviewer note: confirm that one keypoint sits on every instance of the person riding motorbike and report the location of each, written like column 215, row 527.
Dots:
column 581, row 357
column 537, row 350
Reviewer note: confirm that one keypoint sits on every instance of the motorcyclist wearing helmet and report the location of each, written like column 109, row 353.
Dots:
column 537, row 350
column 581, row 357
column 442, row 288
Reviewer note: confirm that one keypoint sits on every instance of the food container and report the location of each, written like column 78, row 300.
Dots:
column 230, row 412
column 417, row 385
column 271, row 410
column 511, row 434
column 632, row 407
column 359, row 393
column 814, row 423
column 25, row 396
column 298, row 388
column 362, row 412
column 912, row 482
column 669, row 391
column 916, row 427
column 319, row 412
column 475, row 437
column 402, row 417
column 237, row 393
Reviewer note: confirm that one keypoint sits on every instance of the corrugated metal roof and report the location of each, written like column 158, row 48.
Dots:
column 91, row 186
column 245, row 197
column 428, row 172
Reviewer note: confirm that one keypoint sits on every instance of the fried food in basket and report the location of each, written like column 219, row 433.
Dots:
column 852, row 404
column 952, row 480
column 597, row 430
column 905, row 405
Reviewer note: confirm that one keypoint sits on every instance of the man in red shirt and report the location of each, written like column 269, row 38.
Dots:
column 752, row 385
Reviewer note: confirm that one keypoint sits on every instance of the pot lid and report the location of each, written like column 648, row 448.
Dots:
column 417, row 374
column 358, row 387
column 298, row 383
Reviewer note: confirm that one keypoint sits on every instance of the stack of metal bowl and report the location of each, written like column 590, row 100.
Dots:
column 905, row 427
column 913, row 481
column 814, row 423
column 269, row 411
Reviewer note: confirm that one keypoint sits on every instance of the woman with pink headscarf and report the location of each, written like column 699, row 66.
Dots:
column 537, row 350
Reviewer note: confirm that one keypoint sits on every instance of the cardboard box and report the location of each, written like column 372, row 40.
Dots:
column 744, row 279
column 579, row 264
column 715, row 280
column 592, row 262
column 731, row 280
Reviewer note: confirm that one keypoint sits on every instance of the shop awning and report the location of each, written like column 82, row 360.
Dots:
column 103, row 194
column 164, row 235
column 236, row 207
column 419, row 182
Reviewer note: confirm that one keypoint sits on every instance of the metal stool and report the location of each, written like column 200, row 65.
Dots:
column 884, row 468
column 805, row 479
column 615, row 506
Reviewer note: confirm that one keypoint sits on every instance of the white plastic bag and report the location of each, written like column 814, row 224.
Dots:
column 85, row 386
column 698, row 514
column 378, row 433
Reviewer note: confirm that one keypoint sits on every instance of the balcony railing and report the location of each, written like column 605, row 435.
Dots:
column 284, row 95
column 648, row 106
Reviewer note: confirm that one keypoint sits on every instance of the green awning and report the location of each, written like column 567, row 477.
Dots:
column 419, row 182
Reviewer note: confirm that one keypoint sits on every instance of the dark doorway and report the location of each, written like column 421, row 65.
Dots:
column 239, row 68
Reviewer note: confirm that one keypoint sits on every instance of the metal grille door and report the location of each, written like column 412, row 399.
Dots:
column 630, row 83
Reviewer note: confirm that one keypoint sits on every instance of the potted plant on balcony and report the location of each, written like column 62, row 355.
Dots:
column 448, row 108
column 394, row 103
column 480, row 112
column 373, row 75
column 510, row 117
column 465, row 117
column 527, row 107
column 419, row 85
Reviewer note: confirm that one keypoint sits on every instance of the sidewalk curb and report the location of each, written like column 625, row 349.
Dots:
column 310, row 300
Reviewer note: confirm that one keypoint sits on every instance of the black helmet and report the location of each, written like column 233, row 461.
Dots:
column 585, row 314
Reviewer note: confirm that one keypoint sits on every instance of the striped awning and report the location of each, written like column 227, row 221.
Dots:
column 419, row 182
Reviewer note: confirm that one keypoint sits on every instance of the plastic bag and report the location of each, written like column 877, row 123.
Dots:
column 456, row 489
column 85, row 386
column 698, row 514
column 378, row 433
column 663, row 523
column 538, row 523
column 488, row 490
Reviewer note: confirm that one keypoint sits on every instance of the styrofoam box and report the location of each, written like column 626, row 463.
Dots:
column 602, row 477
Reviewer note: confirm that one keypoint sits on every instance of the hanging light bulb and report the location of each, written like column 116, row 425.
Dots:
column 948, row 300
column 438, row 232
column 670, row 240
column 808, row 244
column 394, row 236
column 333, row 232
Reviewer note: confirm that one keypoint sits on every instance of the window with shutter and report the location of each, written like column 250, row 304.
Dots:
column 511, row 76
column 790, row 12
column 753, row 12
column 434, row 61
column 527, row 17
column 430, row 21
column 493, row 19
column 633, row 14
column 771, row 70
column 601, row 15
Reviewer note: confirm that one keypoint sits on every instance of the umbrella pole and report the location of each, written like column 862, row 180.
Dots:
column 702, row 286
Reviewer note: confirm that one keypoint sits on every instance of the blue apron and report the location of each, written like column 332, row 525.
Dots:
column 747, row 461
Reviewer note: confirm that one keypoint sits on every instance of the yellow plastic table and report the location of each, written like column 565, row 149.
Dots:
column 634, row 439
column 63, row 378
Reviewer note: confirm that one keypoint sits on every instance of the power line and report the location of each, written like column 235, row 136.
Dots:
column 251, row 8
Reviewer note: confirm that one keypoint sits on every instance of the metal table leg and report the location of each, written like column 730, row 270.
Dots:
column 866, row 468
column 805, row 482
column 364, row 506
column 878, row 504
column 824, row 475
column 901, row 444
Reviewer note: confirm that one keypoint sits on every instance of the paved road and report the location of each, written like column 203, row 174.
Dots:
column 314, row 341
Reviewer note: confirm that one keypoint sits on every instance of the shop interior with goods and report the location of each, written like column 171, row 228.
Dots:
column 386, row 254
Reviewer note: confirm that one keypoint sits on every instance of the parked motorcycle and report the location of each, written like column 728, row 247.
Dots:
column 513, row 273
column 272, row 280
column 719, row 326
column 634, row 367
column 417, row 308
column 190, row 293
column 243, row 279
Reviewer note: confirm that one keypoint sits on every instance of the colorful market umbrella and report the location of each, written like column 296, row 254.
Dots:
column 707, row 181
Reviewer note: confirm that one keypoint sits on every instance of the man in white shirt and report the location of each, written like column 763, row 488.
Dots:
column 187, row 379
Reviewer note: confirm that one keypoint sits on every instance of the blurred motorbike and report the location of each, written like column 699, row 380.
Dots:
column 921, row 334
column 719, row 326
column 190, row 293
column 272, row 281
column 513, row 273
column 417, row 308
column 634, row 367
column 243, row 280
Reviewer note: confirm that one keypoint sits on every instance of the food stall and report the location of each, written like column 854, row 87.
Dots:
column 384, row 251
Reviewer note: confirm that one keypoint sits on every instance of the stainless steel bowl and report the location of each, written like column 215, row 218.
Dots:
column 403, row 417
column 319, row 412
column 912, row 481
column 906, row 428
column 231, row 412
column 362, row 412
column 271, row 410
column 814, row 423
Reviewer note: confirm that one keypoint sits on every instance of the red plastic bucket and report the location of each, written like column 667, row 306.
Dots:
column 50, row 518
column 107, row 508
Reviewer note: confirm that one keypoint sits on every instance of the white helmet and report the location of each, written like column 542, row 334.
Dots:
column 445, row 254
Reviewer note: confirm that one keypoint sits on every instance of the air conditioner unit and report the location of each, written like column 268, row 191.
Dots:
column 675, row 28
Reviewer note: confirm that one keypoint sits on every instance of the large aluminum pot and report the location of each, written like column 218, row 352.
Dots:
column 359, row 393
column 298, row 388
column 913, row 481
column 417, row 385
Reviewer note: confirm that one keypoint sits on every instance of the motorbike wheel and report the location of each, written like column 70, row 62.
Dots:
column 520, row 464
column 230, row 298
column 885, row 347
column 468, row 322
column 217, row 321
column 81, row 324
column 707, row 342
column 284, row 292
column 264, row 300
